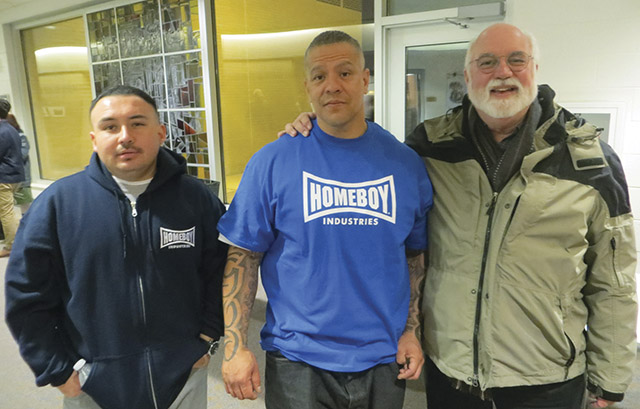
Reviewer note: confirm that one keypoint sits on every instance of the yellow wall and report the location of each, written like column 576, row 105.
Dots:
column 261, row 73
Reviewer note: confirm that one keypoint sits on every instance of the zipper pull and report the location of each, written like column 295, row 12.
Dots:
column 493, row 203
column 134, row 211
column 474, row 381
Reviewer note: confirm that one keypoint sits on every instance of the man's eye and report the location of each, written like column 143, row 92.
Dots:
column 318, row 77
column 345, row 74
column 486, row 62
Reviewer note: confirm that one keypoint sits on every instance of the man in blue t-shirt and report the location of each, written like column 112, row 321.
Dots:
column 337, row 224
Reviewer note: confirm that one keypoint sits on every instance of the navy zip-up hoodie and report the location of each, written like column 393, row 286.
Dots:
column 128, row 291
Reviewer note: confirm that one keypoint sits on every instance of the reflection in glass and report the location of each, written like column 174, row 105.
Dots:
column 60, row 94
column 189, row 136
column 434, row 81
column 146, row 74
column 139, row 29
column 184, row 79
column 103, row 37
column 106, row 75
column 180, row 25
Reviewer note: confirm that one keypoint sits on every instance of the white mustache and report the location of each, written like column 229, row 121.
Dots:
column 509, row 82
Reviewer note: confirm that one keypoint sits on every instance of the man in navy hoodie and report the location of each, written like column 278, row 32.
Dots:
column 113, row 288
column 11, row 174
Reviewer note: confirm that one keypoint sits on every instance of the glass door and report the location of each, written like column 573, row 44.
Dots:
column 423, row 72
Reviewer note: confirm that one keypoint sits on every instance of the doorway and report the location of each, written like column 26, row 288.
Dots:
column 423, row 71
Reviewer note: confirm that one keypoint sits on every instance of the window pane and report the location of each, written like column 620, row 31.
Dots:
column 184, row 79
column 146, row 74
column 261, row 45
column 60, row 89
column 106, row 75
column 103, row 35
column 396, row 7
column 180, row 25
column 434, row 80
column 139, row 29
column 189, row 136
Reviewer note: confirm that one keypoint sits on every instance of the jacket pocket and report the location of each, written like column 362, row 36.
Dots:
column 146, row 380
column 528, row 334
column 120, row 382
column 572, row 356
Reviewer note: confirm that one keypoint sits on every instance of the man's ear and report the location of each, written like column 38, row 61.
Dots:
column 162, row 133
column 93, row 141
column 366, row 74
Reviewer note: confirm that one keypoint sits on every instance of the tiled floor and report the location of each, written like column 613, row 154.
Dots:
column 18, row 390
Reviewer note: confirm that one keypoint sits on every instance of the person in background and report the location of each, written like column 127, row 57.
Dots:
column 23, row 196
column 337, row 224
column 531, row 242
column 11, row 175
column 113, row 288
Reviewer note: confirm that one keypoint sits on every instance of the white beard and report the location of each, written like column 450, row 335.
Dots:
column 502, row 108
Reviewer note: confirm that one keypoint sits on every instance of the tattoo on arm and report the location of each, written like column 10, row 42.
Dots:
column 416, row 282
column 239, row 287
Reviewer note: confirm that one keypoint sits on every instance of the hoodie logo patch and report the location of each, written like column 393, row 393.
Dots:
column 176, row 239
column 323, row 197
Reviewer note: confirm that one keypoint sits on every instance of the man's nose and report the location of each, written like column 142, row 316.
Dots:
column 126, row 137
column 333, row 83
column 503, row 70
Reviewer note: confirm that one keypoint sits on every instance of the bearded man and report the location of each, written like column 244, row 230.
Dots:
column 530, row 282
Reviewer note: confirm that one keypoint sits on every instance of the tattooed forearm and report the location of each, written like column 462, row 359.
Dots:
column 239, row 288
column 416, row 280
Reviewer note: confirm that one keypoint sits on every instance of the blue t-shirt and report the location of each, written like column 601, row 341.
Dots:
column 333, row 217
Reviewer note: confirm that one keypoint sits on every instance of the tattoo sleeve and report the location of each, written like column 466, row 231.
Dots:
column 239, row 287
column 416, row 261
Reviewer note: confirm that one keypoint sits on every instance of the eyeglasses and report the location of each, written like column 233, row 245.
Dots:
column 517, row 61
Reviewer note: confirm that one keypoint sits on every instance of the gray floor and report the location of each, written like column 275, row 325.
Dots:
column 18, row 390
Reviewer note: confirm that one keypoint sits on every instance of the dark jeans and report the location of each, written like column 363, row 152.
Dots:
column 563, row 395
column 296, row 385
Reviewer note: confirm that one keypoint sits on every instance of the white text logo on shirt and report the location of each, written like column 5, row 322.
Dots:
column 323, row 197
column 177, row 238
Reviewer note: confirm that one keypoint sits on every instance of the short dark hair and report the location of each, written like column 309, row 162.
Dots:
column 125, row 90
column 332, row 37
column 5, row 107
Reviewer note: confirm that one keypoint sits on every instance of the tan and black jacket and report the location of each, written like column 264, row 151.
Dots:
column 515, row 277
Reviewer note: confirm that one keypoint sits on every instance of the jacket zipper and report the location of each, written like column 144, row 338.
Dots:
column 476, row 326
column 614, row 248
column 134, row 214
column 153, row 389
column 572, row 357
